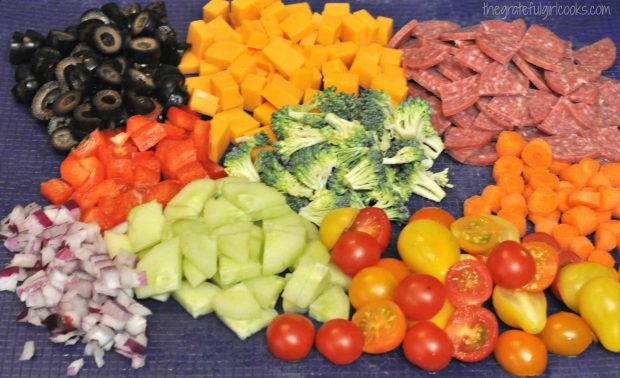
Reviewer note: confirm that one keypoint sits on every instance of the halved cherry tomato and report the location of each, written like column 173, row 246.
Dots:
column 521, row 353
column 375, row 222
column 371, row 284
column 468, row 283
column 355, row 251
column 546, row 258
column 475, row 233
column 383, row 324
column 335, row 223
column 543, row 237
column 397, row 267
column 473, row 331
column 433, row 213
column 511, row 266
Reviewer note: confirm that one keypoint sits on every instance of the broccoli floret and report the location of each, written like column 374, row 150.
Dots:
column 345, row 133
column 312, row 166
column 398, row 214
column 296, row 203
column 441, row 178
column 335, row 182
column 348, row 156
column 422, row 183
column 324, row 202
column 404, row 151
column 301, row 113
column 303, row 137
column 273, row 173
column 258, row 139
column 238, row 162
column 383, row 138
column 356, row 200
column 373, row 109
column 341, row 104
column 367, row 174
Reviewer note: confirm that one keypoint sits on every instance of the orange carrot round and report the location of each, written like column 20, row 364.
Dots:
column 602, row 257
column 599, row 179
column 537, row 154
column 476, row 205
column 558, row 166
column 590, row 167
column 610, row 197
column 507, row 163
column 511, row 182
column 565, row 185
column 509, row 143
column 542, row 178
column 605, row 239
column 602, row 216
column 585, row 198
column 492, row 195
column 563, row 195
column 542, row 224
column 612, row 172
column 514, row 202
column 564, row 234
column 542, row 201
column 527, row 191
column 582, row 246
column 516, row 218
column 582, row 217
column 575, row 175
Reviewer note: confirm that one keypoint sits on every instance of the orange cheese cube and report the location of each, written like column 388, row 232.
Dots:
column 309, row 40
column 220, row 137
column 317, row 79
column 366, row 69
column 241, row 124
column 271, row 26
column 283, row 57
column 297, row 25
column 250, row 27
column 261, row 73
column 222, row 53
column 242, row 66
column 263, row 113
column 333, row 66
column 303, row 8
column 266, row 3
column 344, row 51
column 190, row 64
column 215, row 8
column 391, row 56
column 336, row 9
column 315, row 55
column 385, row 31
column 221, row 30
column 344, row 82
column 198, row 82
column 302, row 78
column 263, row 63
column 329, row 30
column 317, row 17
column 371, row 52
column 244, row 10
column 309, row 95
column 395, row 86
column 280, row 92
column 251, row 88
column 354, row 30
column 372, row 26
column 389, row 69
column 276, row 10
column 258, row 41
column 224, row 86
column 203, row 102
column 208, row 69
column 199, row 37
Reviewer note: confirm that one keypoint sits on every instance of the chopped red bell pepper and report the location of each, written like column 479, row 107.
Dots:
column 177, row 156
column 202, row 140
column 56, row 191
column 181, row 118
column 146, row 159
column 76, row 171
column 121, row 170
column 118, row 208
column 174, row 132
column 163, row 191
column 214, row 170
column 136, row 122
column 190, row 172
column 96, row 215
column 145, row 177
column 124, row 150
column 148, row 136
column 89, row 146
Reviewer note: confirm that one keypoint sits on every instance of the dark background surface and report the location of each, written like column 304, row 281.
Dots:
column 178, row 345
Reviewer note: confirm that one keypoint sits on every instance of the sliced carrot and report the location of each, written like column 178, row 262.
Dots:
column 507, row 164
column 563, row 195
column 516, row 218
column 590, row 167
column 564, row 234
column 612, row 225
column 514, row 202
column 476, row 205
column 581, row 217
column 585, row 198
column 542, row 224
column 537, row 154
column 564, row 185
column 492, row 195
column 527, row 191
column 610, row 197
column 542, row 201
column 511, row 182
column 602, row 257
column 509, row 143
column 616, row 212
column 582, row 246
column 605, row 239
column 558, row 166
column 555, row 215
column 542, row 178
column 599, row 179
column 575, row 175
column 612, row 172
column 602, row 216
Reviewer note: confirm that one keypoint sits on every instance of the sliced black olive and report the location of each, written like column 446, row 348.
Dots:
column 108, row 76
column 144, row 50
column 56, row 123
column 85, row 120
column 107, row 39
column 24, row 45
column 61, row 41
column 66, row 102
column 72, row 29
column 132, row 10
column 94, row 14
column 174, row 97
column 115, row 14
column 79, row 49
column 139, row 82
column 120, row 64
column 143, row 23
column 62, row 139
column 78, row 77
column 23, row 73
column 62, row 66
column 43, row 66
column 158, row 8
column 168, row 76
column 108, row 103
column 25, row 90
column 139, row 104
column 86, row 29
column 90, row 59
column 43, row 99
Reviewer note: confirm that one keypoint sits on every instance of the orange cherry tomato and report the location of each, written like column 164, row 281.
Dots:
column 383, row 324
column 397, row 267
column 370, row 285
column 521, row 353
column 433, row 213
column 566, row 334
column 547, row 261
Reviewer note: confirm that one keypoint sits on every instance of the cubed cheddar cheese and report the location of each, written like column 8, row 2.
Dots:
column 203, row 102
column 297, row 25
column 390, row 69
column 263, row 113
column 284, row 58
column 303, row 8
column 302, row 78
column 222, row 53
column 316, row 55
column 220, row 137
column 366, row 69
column 215, row 8
column 254, row 34
column 333, row 66
column 239, row 122
column 317, row 79
column 309, row 40
column 261, row 72
column 190, row 64
column 344, row 51
column 316, row 18
column 221, row 30
column 244, row 10
column 336, row 9
column 309, row 95
column 208, row 69
column 251, row 88
column 263, row 63
column 344, row 82
column 394, row 85
column 199, row 37
column 280, row 92
column 198, row 82
column 329, row 30
column 276, row 10
column 354, row 30
column 385, row 31
column 371, row 52
column 242, row 66
column 224, row 86
column 391, row 56
column 271, row 26
column 372, row 26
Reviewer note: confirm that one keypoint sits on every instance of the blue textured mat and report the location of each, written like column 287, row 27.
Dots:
column 178, row 345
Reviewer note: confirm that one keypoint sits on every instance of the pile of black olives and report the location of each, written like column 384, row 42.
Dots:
column 114, row 63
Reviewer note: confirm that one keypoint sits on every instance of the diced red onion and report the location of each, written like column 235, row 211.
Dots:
column 131, row 278
column 58, row 279
column 139, row 309
column 42, row 218
column 98, row 355
column 100, row 333
column 135, row 325
column 8, row 278
column 138, row 361
column 36, row 299
column 73, row 340
column 162, row 297
column 112, row 322
column 65, row 254
column 134, row 346
column 127, row 259
column 60, row 338
column 51, row 294
column 73, row 208
column 23, row 260
column 102, row 288
column 28, row 351
column 74, row 367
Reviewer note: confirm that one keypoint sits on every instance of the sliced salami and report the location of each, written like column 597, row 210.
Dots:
column 472, row 57
column 439, row 122
column 483, row 156
column 458, row 138
column 571, row 77
column 600, row 55
column 465, row 118
column 453, row 70
column 587, row 93
column 542, row 48
column 432, row 29
column 607, row 141
column 402, row 35
column 482, row 103
column 508, row 111
column 466, row 33
column 539, row 104
column 500, row 40
column 465, row 42
column 519, row 75
column 416, row 90
column 560, row 121
column 423, row 57
column 484, row 122
column 458, row 95
column 609, row 100
column 529, row 133
column 462, row 154
column 429, row 79
column 571, row 148
column 588, row 115
column 498, row 80
column 531, row 73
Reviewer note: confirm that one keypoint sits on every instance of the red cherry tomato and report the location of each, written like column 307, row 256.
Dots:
column 420, row 296
column 355, row 251
column 290, row 337
column 541, row 237
column 374, row 222
column 340, row 341
column 428, row 346
column 473, row 331
column 468, row 283
column 510, row 265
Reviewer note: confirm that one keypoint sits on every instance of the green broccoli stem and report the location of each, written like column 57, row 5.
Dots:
column 361, row 177
column 425, row 186
column 433, row 146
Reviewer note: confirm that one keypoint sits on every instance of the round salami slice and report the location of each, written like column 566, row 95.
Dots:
column 607, row 141
column 482, row 103
column 600, row 55
column 571, row 148
column 462, row 154
column 498, row 80
column 429, row 79
column 472, row 57
column 588, row 115
column 432, row 29
column 453, row 70
column 465, row 118
column 415, row 90
column 457, row 138
column 518, row 74
column 539, row 104
column 571, row 77
column 483, row 156
column 500, row 40
column 529, row 133
column 587, row 93
column 483, row 122
column 423, row 57
column 402, row 35
column 508, row 111
column 462, row 34
column 542, row 48
column 458, row 95
column 439, row 122
column 530, row 72
column 609, row 100
column 560, row 121
column 463, row 43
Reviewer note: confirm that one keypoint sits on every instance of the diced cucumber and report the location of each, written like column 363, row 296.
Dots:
column 337, row 277
column 270, row 212
column 161, row 297
column 312, row 231
column 116, row 242
column 219, row 183
column 291, row 218
column 201, row 250
column 236, row 302
column 230, row 271
column 246, row 328
column 173, row 212
column 252, row 197
column 288, row 306
column 145, row 224
column 166, row 232
column 219, row 211
column 307, row 282
column 162, row 265
column 234, row 228
column 235, row 246
column 256, row 243
column 333, row 303
column 193, row 225
column 197, row 300
column 266, row 289
column 194, row 195
column 193, row 275
column 283, row 245
column 314, row 252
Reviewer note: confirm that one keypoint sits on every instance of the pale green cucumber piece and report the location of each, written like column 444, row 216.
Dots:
column 256, row 243
column 173, row 212
column 116, row 242
column 234, row 228
column 283, row 246
column 252, row 197
column 163, row 268
column 333, row 303
column 231, row 271
column 219, row 212
column 246, row 328
column 201, row 250
column 312, row 231
column 193, row 225
column 145, row 224
column 291, row 218
column 270, row 212
column 236, row 302
column 194, row 195
column 337, row 277
column 315, row 252
column 198, row 300
column 192, row 274
column 307, row 282
column 219, row 183
column 288, row 306
column 161, row 297
column 166, row 232
column 235, row 246
column 266, row 289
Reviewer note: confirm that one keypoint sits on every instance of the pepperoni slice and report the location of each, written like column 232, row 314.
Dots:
column 484, row 122
column 609, row 100
column 560, row 121
column 483, row 156
column 472, row 57
column 539, row 104
column 458, row 95
column 462, row 154
column 500, row 40
column 600, row 55
column 423, row 57
column 508, row 111
column 498, row 80
column 542, row 47
column 429, row 79
column 531, row 73
column 482, row 103
column 457, row 138
column 607, row 141
column 589, row 115
column 529, row 133
column 465, row 118
column 571, row 148
column 463, row 43
column 432, row 29
column 587, row 93
column 439, row 122
column 453, row 70
column 571, row 77
column 402, row 35
column 466, row 33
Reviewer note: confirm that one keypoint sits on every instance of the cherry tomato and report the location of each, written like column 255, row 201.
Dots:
column 355, row 251
column 375, row 222
column 395, row 266
column 521, row 309
column 546, row 258
column 371, row 284
column 511, row 266
column 565, row 258
column 420, row 296
column 473, row 331
column 334, row 224
column 468, row 283
column 340, row 341
column 383, row 324
column 428, row 346
column 433, row 213
column 475, row 233
column 542, row 237
column 521, row 353
column 573, row 277
column 566, row 334
column 290, row 337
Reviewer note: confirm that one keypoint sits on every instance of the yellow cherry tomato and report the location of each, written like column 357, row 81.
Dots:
column 476, row 233
column 572, row 277
column 507, row 230
column 521, row 309
column 599, row 305
column 335, row 223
